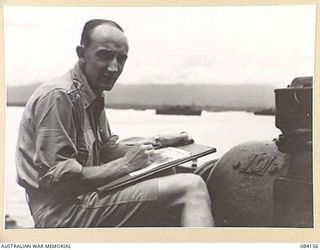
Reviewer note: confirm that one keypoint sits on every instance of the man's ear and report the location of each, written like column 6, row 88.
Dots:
column 80, row 52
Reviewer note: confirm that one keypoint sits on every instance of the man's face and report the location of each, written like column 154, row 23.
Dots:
column 105, row 57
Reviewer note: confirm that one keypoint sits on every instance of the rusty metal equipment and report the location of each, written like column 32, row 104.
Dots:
column 269, row 183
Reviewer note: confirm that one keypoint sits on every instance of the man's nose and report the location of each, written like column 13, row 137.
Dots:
column 113, row 65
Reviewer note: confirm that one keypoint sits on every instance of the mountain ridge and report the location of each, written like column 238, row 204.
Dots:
column 141, row 96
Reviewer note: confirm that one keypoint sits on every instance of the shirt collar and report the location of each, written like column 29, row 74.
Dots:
column 87, row 93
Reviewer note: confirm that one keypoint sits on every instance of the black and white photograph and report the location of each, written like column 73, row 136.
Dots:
column 158, row 117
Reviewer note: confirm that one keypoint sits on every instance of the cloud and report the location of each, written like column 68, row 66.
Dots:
column 267, row 44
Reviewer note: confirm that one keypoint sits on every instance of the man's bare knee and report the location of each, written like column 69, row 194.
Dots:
column 186, row 196
column 180, row 188
column 196, row 189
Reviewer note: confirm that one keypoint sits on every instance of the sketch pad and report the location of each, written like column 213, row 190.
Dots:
column 180, row 155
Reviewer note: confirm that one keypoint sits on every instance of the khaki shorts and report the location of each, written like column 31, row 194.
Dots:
column 132, row 206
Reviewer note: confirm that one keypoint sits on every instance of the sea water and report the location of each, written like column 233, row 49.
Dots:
column 222, row 130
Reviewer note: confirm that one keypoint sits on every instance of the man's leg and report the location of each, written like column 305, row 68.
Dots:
column 189, row 194
column 147, row 203
column 151, row 202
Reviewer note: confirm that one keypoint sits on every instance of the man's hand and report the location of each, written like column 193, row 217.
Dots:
column 139, row 155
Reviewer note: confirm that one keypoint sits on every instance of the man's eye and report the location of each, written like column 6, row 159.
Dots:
column 105, row 55
column 122, row 58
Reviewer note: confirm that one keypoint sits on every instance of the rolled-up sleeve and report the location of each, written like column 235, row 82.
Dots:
column 55, row 142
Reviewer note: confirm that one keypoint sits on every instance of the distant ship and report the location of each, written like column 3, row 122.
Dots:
column 269, row 111
column 178, row 110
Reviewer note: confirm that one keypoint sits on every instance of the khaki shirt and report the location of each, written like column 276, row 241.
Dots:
column 62, row 130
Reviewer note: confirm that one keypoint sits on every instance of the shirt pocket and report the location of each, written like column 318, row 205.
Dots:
column 89, row 139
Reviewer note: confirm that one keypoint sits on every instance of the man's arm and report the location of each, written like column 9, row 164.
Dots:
column 135, row 158
column 112, row 151
column 69, row 177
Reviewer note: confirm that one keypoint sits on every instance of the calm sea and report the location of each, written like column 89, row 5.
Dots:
column 222, row 130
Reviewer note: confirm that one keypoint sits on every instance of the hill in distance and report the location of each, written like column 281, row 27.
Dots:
column 247, row 97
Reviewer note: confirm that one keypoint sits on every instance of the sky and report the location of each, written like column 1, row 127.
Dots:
column 191, row 45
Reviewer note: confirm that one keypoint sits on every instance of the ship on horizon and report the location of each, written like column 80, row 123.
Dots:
column 269, row 111
column 178, row 110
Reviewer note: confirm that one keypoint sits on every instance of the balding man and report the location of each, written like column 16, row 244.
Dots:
column 65, row 150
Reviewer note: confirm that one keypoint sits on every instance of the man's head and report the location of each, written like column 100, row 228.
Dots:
column 102, row 53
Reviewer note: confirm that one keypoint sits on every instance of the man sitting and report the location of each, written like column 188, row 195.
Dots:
column 66, row 150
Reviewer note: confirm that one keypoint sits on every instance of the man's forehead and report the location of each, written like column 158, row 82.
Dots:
column 106, row 33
